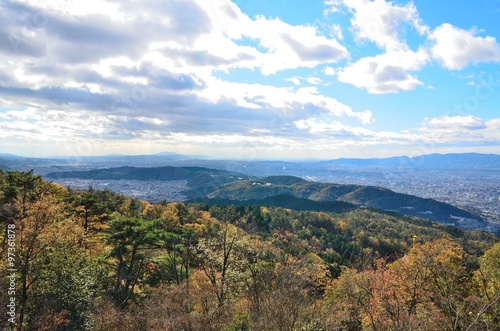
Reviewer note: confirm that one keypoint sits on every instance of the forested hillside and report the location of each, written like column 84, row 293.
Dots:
column 361, row 196
column 98, row 260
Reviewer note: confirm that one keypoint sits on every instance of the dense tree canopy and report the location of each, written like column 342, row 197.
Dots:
column 97, row 260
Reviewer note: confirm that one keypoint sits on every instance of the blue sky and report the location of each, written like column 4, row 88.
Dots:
column 281, row 79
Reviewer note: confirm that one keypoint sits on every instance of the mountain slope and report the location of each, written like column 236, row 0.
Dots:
column 286, row 201
column 361, row 196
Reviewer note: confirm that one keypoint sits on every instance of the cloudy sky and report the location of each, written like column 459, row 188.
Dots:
column 273, row 79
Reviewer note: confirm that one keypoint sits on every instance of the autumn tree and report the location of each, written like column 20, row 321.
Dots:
column 429, row 288
column 487, row 297
column 348, row 300
column 443, row 263
column 46, row 284
column 215, row 256
column 287, row 292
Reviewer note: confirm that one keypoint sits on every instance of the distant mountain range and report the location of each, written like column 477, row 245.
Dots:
column 429, row 161
column 284, row 191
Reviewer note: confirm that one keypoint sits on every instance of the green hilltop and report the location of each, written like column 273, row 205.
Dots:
column 361, row 196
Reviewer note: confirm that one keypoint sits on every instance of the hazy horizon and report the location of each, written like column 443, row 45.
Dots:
column 214, row 158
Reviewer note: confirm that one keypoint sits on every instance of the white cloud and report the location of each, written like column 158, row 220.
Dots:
column 455, row 122
column 53, row 126
column 195, row 38
column 288, row 102
column 333, row 6
column 293, row 46
column 19, row 115
column 294, row 80
column 492, row 130
column 456, row 48
column 460, row 129
column 436, row 132
column 234, row 40
column 385, row 73
column 155, row 60
column 337, row 31
column 314, row 80
column 79, row 8
column 329, row 71
column 335, row 128
column 381, row 22
column 384, row 24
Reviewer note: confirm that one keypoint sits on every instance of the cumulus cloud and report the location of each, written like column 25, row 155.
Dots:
column 384, row 24
column 381, row 22
column 293, row 46
column 385, row 73
column 234, row 40
column 176, row 35
column 147, row 65
column 329, row 71
column 455, row 48
column 287, row 102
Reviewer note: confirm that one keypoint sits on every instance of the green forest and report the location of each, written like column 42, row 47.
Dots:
column 98, row 260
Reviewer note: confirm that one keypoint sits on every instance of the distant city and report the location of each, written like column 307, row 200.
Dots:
column 476, row 191
column 151, row 190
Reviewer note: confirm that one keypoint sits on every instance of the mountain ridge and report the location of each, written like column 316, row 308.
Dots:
column 359, row 195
